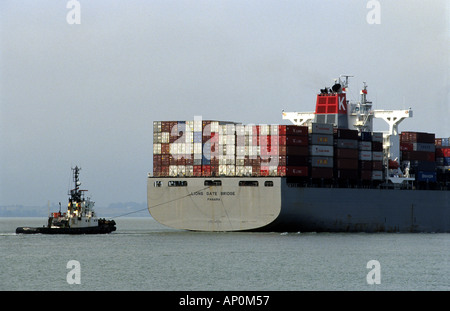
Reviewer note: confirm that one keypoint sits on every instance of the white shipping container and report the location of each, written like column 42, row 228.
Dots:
column 264, row 129
column 231, row 170
column 365, row 155
column 377, row 175
column 165, row 137
column 198, row 126
column 248, row 170
column 240, row 170
column 240, row 130
column 274, row 130
column 189, row 170
column 173, row 170
column 181, row 169
column 222, row 169
column 320, row 150
column 189, row 126
column 156, row 148
column 365, row 145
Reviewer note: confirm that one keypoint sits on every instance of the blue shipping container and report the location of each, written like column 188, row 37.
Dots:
column 426, row 176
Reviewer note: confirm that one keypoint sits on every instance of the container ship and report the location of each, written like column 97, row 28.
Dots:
column 326, row 172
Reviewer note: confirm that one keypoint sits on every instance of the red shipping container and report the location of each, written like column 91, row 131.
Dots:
column 346, row 153
column 297, row 140
column 377, row 146
column 164, row 171
column 297, row 150
column 366, row 175
column 264, row 171
column 296, row 130
column 346, row 164
column 443, row 152
column 197, row 170
column 281, row 130
column 346, row 174
column 377, row 165
column 206, row 170
column 281, row 170
column 365, row 166
column 406, row 146
column 256, row 170
column 297, row 171
column 282, row 140
column 322, row 172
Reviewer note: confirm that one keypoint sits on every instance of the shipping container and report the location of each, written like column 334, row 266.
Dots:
column 365, row 136
column 297, row 150
column 340, row 133
column 426, row 176
column 320, row 150
column 365, row 145
column 321, row 173
column 346, row 143
column 297, row 171
column 377, row 137
column 366, row 174
column 365, row 155
column 417, row 137
column 326, row 162
column 291, row 160
column 377, row 175
column 295, row 130
column 377, row 165
column 443, row 152
column 418, row 156
column 321, row 139
column 296, row 140
column 346, row 153
column 346, row 174
column 365, row 165
column 377, row 155
column 321, row 128
column 346, row 164
column 377, row 146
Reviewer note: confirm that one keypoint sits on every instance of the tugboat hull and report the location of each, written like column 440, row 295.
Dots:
column 106, row 226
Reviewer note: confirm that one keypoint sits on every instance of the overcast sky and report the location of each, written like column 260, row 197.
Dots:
column 86, row 94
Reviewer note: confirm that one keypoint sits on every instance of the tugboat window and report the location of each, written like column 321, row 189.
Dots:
column 248, row 183
column 213, row 183
column 177, row 183
column 268, row 183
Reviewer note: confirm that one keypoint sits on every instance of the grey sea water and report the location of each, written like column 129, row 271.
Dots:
column 144, row 255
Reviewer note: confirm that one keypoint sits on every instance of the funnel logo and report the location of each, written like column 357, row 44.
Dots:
column 341, row 103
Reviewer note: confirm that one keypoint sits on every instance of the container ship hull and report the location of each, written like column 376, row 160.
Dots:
column 274, row 204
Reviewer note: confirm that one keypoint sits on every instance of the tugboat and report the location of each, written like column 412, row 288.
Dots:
column 80, row 217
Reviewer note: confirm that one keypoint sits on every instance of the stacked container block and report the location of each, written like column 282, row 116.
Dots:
column 321, row 141
column 419, row 150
